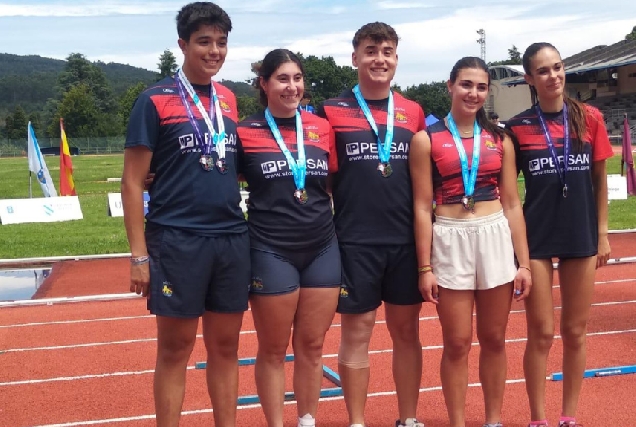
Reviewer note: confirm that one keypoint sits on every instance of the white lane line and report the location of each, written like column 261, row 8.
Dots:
column 71, row 322
column 94, row 344
column 148, row 316
column 248, row 332
column 66, row 300
column 244, row 407
column 325, row 356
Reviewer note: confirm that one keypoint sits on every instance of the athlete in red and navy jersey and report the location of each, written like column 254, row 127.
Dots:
column 162, row 126
column 572, row 228
column 191, row 256
column 374, row 222
column 466, row 164
column 275, row 218
column 562, row 146
column 296, row 271
column 447, row 171
column 358, row 187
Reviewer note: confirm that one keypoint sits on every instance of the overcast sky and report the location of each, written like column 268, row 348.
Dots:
column 433, row 34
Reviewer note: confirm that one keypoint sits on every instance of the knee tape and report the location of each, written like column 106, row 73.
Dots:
column 354, row 364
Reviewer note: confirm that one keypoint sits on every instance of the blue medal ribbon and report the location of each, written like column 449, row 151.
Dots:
column 384, row 149
column 566, row 145
column 299, row 167
column 218, row 138
column 469, row 178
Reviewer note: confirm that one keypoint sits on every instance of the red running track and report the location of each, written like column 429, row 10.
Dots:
column 91, row 362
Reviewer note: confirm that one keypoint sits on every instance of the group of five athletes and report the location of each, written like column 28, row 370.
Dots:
column 418, row 214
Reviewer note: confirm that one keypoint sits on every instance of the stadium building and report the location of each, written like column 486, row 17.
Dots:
column 603, row 76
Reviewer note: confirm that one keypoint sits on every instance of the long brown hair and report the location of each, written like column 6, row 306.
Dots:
column 576, row 110
column 482, row 119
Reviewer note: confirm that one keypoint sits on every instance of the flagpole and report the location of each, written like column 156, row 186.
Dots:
column 30, row 193
column 623, row 142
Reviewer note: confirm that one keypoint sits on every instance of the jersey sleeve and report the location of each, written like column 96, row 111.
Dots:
column 240, row 154
column 233, row 106
column 601, row 146
column 333, row 153
column 422, row 119
column 143, row 126
column 517, row 147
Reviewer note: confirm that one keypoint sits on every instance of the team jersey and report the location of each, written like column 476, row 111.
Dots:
column 275, row 217
column 371, row 209
column 558, row 226
column 448, row 183
column 183, row 194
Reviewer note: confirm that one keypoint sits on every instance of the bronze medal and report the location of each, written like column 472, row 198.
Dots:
column 301, row 196
column 469, row 203
column 221, row 166
column 385, row 169
column 206, row 162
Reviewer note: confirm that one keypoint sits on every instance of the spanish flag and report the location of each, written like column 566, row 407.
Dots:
column 67, row 186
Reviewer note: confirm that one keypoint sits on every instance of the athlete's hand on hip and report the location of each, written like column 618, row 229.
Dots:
column 148, row 181
column 604, row 251
column 428, row 287
column 522, row 284
column 140, row 279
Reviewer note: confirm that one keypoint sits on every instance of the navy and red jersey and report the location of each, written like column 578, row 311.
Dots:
column 448, row 183
column 558, row 226
column 183, row 195
column 371, row 209
column 275, row 218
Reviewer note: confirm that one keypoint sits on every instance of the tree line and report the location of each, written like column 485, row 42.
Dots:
column 85, row 98
column 95, row 99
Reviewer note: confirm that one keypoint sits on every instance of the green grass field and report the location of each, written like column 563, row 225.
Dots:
column 98, row 233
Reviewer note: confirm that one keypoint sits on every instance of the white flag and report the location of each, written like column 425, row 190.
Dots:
column 37, row 165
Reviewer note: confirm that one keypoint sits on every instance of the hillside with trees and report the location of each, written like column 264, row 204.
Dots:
column 95, row 98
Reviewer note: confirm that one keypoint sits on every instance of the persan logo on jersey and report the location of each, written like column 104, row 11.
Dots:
column 357, row 148
column 189, row 143
column 281, row 167
column 545, row 165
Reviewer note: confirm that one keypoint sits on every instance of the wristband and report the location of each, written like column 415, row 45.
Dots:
column 527, row 268
column 425, row 269
column 139, row 260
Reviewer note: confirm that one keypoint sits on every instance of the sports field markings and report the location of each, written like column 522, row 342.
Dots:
column 326, row 356
column 248, row 332
column 72, row 322
column 246, row 407
column 149, row 316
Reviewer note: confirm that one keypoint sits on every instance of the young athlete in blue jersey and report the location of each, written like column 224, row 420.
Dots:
column 466, row 164
column 562, row 146
column 286, row 156
column 373, row 206
column 191, row 256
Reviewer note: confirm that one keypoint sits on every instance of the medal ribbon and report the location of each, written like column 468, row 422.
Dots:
column 183, row 86
column 298, row 168
column 566, row 145
column 384, row 149
column 469, row 178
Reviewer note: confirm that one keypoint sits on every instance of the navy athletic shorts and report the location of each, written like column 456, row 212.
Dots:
column 375, row 273
column 276, row 271
column 192, row 274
